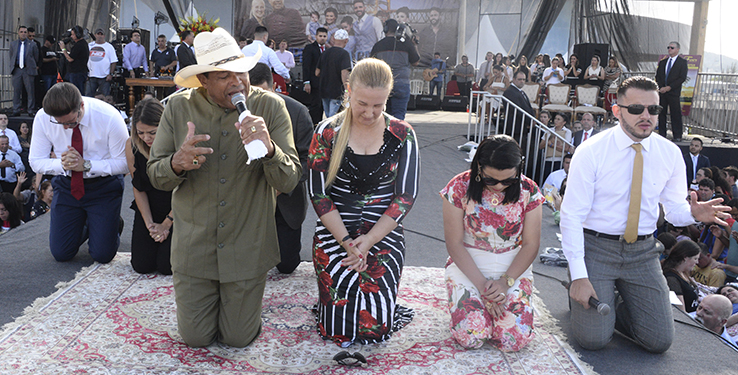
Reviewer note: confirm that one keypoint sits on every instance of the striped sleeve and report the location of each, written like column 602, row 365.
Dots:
column 406, row 181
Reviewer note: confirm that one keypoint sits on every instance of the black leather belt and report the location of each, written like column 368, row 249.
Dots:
column 614, row 237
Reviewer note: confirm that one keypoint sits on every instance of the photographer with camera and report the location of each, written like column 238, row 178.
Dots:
column 77, row 58
column 399, row 52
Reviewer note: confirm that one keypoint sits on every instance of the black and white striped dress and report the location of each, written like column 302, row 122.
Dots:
column 352, row 306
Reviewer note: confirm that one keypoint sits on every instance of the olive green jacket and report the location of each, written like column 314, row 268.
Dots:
column 224, row 211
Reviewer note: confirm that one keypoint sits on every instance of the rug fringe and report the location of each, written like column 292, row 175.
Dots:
column 40, row 304
column 550, row 325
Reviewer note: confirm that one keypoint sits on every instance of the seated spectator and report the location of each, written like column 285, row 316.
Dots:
column 704, row 272
column 498, row 82
column 573, row 71
column 10, row 213
column 553, row 74
column 702, row 173
column 721, row 184
column 553, row 146
column 577, row 126
column 556, row 177
column 10, row 165
column 595, row 74
column 677, row 267
column 730, row 291
column 731, row 175
column 713, row 312
column 43, row 204
column 681, row 233
column 706, row 189
column 10, row 133
column 668, row 240
column 26, row 197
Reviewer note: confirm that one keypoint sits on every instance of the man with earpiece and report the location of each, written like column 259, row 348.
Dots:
column 399, row 54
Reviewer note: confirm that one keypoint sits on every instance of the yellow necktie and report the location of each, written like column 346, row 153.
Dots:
column 634, row 208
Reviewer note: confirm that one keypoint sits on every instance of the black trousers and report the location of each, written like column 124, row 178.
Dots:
column 148, row 255
column 316, row 107
column 672, row 103
column 289, row 244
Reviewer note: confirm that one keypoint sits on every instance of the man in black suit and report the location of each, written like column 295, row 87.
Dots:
column 291, row 206
column 23, row 58
column 310, row 57
column 519, row 123
column 587, row 131
column 670, row 75
column 185, row 56
column 695, row 160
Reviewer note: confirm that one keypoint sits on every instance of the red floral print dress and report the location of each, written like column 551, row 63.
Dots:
column 360, row 307
column 492, row 236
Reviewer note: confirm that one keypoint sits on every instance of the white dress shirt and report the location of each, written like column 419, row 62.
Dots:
column 12, row 140
column 695, row 158
column 104, row 135
column 268, row 56
column 17, row 167
column 555, row 178
column 598, row 190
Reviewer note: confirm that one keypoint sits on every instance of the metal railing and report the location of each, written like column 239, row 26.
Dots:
column 495, row 114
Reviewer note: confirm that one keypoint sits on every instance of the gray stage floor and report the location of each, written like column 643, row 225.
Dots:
column 28, row 271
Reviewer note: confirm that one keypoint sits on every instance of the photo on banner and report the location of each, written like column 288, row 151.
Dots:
column 688, row 87
column 435, row 21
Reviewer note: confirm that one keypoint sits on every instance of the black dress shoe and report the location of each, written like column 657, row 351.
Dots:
column 15, row 114
column 677, row 139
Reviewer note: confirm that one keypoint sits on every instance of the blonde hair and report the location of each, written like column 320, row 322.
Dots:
column 370, row 73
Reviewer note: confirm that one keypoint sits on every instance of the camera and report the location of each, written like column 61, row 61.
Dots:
column 67, row 37
column 406, row 32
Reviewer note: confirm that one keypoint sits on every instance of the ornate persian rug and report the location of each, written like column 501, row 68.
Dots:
column 110, row 320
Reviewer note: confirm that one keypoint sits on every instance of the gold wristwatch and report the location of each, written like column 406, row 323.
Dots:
column 510, row 281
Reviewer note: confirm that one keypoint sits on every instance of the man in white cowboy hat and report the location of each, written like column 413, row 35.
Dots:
column 226, row 238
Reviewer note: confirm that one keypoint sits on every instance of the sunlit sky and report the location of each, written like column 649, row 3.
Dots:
column 720, row 36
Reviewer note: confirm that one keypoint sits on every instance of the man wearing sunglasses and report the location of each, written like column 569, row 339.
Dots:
column 608, row 217
column 89, row 135
column 670, row 75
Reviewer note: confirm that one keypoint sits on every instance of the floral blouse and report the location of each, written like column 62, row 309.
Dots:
column 490, row 225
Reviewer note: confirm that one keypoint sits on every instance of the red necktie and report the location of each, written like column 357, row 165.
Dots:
column 585, row 136
column 322, row 48
column 78, row 184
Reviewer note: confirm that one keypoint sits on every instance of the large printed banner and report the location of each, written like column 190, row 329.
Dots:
column 693, row 67
column 436, row 22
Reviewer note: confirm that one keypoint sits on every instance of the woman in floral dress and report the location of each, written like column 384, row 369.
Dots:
column 492, row 223
column 363, row 179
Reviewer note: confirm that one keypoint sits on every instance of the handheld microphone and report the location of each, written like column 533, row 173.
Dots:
column 240, row 102
column 602, row 308
column 255, row 149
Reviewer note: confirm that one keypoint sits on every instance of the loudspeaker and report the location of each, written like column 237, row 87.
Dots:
column 411, row 103
column 428, row 102
column 585, row 51
column 455, row 103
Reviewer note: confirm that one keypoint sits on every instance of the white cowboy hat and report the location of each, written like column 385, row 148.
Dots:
column 215, row 51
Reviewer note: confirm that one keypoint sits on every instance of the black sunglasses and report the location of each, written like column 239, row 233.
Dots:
column 489, row 181
column 347, row 359
column 637, row 109
column 670, row 47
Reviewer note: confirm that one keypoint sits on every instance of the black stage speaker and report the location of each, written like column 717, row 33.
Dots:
column 428, row 102
column 585, row 51
column 411, row 103
column 455, row 103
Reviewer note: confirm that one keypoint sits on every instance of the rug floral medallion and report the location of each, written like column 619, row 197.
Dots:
column 110, row 320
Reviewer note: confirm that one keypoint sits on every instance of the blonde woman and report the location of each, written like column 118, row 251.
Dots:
column 256, row 18
column 364, row 168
